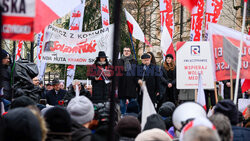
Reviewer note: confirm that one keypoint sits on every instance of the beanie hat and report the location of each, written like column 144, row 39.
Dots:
column 166, row 111
column 145, row 56
column 22, row 125
column 133, row 107
column 3, row 53
column 81, row 109
column 128, row 126
column 169, row 55
column 58, row 119
column 154, row 121
column 227, row 108
column 171, row 104
column 22, row 101
column 153, row 135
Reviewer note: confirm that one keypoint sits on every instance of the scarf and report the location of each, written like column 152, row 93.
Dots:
column 127, row 65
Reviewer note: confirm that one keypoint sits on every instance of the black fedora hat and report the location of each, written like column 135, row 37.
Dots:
column 102, row 54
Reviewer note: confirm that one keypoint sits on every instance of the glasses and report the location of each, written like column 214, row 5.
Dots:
column 126, row 50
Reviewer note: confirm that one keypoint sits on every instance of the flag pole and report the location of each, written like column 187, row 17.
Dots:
column 131, row 39
column 231, row 84
column 239, row 60
column 116, row 46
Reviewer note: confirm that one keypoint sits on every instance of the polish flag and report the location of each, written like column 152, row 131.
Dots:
column 18, row 50
column 50, row 10
column 190, row 4
column 134, row 27
column 166, row 43
column 201, row 94
column 245, row 85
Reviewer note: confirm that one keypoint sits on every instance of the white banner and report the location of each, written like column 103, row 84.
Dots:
column 105, row 12
column 197, row 21
column 76, row 17
column 62, row 46
column 213, row 11
column 194, row 58
column 40, row 64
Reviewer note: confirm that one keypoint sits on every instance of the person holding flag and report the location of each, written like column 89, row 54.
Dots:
column 100, row 75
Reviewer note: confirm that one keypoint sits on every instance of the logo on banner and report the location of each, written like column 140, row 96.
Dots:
column 105, row 9
column 195, row 50
column 76, row 15
column 76, row 27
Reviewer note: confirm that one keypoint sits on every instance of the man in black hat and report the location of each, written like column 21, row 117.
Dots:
column 5, row 73
column 151, row 75
column 56, row 95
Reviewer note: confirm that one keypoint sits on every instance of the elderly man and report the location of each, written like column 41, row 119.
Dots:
column 56, row 95
column 151, row 75
column 127, row 82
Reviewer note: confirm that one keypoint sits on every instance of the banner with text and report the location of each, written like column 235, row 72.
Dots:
column 194, row 58
column 18, row 19
column 216, row 34
column 62, row 46
column 197, row 21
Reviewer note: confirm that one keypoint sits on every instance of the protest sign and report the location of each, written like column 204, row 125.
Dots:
column 242, row 104
column 62, row 46
column 222, row 69
column 194, row 58
column 18, row 19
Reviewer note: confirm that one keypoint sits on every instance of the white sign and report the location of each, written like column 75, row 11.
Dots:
column 242, row 104
column 62, row 46
column 194, row 58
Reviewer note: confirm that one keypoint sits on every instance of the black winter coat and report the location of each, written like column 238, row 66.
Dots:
column 152, row 78
column 170, row 93
column 227, row 90
column 5, row 81
column 53, row 98
column 80, row 133
column 100, row 90
column 127, row 81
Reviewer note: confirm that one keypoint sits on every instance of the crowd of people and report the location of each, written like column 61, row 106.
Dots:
column 33, row 112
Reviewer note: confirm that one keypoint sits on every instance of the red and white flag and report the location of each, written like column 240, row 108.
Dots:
column 189, row 4
column 213, row 11
column 50, row 10
column 19, row 50
column 147, row 105
column 201, row 94
column 134, row 27
column 167, row 26
column 197, row 21
column 105, row 12
column 40, row 64
column 76, row 22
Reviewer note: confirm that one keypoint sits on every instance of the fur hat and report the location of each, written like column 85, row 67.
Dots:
column 128, row 126
column 153, row 135
column 81, row 109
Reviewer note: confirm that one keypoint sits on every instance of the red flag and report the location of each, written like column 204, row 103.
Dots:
column 189, row 4
column 245, row 85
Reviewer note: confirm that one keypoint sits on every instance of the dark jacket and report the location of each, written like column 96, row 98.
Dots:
column 80, row 133
column 241, row 133
column 152, row 78
column 71, row 94
column 5, row 81
column 53, row 98
column 163, row 81
column 227, row 90
column 100, row 90
column 127, row 81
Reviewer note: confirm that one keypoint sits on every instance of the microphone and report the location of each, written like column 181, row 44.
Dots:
column 144, row 67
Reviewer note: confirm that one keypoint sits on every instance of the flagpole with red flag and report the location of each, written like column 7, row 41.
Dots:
column 239, row 56
column 131, row 40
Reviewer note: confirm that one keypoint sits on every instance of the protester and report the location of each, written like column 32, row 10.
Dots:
column 20, row 124
column 81, row 111
column 22, row 101
column 153, row 135
column 128, row 128
column 49, row 86
column 55, row 96
column 72, row 91
column 127, row 82
column 132, row 109
column 170, row 70
column 35, row 81
column 223, row 126
column 152, row 58
column 5, row 74
column 154, row 121
column 61, row 85
column 59, row 124
column 151, row 75
column 227, row 89
column 201, row 133
column 100, row 76
column 229, row 109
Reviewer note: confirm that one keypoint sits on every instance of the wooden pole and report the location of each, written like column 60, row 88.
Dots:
column 195, row 94
column 231, row 84
column 215, row 93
